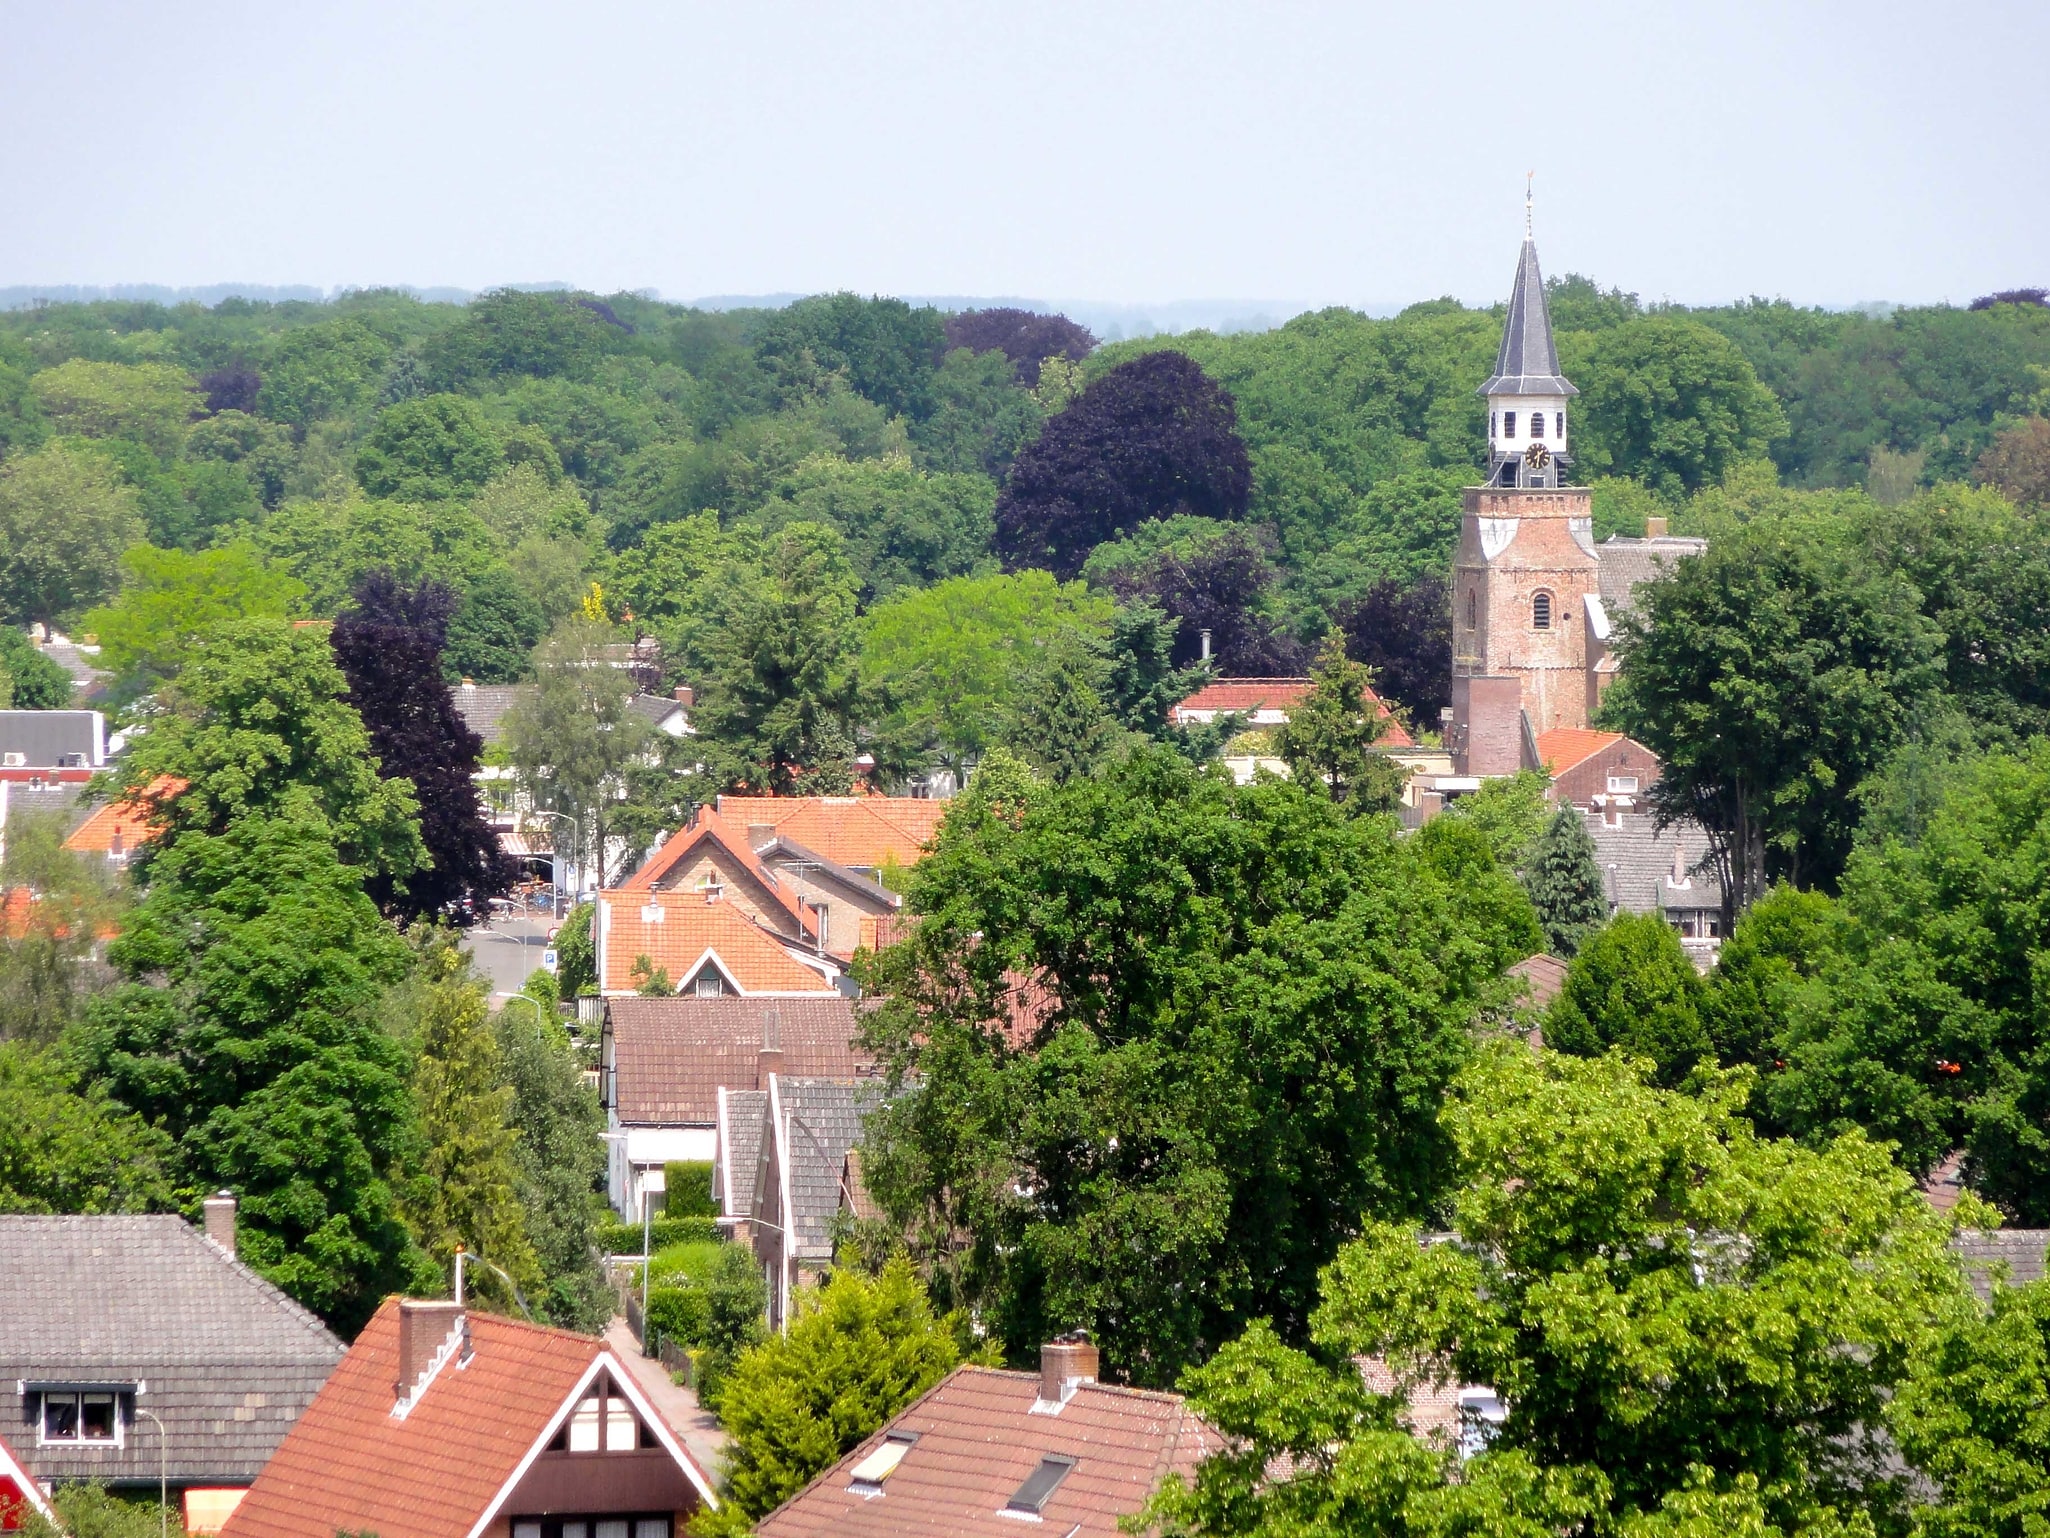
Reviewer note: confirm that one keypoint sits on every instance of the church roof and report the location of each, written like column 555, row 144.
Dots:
column 1528, row 363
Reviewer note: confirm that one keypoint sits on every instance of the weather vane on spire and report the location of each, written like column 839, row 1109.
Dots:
column 1528, row 177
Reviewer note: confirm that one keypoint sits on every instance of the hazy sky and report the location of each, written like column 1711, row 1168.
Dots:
column 1337, row 153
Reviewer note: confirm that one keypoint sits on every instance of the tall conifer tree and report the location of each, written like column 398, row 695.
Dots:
column 1565, row 883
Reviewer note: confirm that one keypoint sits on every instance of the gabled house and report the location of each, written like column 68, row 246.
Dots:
column 1669, row 871
column 446, row 1423
column 136, row 1346
column 863, row 833
column 667, row 1060
column 117, row 828
column 706, row 947
column 1597, row 770
column 983, row 1451
column 808, row 1128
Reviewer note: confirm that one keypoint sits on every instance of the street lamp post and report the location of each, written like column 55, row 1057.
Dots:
column 163, row 1475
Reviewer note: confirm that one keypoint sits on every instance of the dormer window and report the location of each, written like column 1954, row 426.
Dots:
column 710, row 983
column 83, row 1417
column 1541, row 611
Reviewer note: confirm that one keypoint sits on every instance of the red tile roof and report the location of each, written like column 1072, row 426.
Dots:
column 1563, row 747
column 862, row 831
column 710, row 828
column 977, row 1442
column 350, row 1465
column 1542, row 977
column 1250, row 694
column 132, row 820
column 753, row 960
column 674, row 1055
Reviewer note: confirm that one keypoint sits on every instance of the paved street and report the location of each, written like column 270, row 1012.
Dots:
column 509, row 950
column 699, row 1428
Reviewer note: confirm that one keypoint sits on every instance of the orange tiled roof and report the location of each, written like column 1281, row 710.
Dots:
column 133, row 820
column 350, row 1465
column 1564, row 746
column 864, row 831
column 755, row 961
column 709, row 827
column 978, row 1440
column 1234, row 694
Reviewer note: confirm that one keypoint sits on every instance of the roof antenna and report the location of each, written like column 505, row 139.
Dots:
column 1528, row 177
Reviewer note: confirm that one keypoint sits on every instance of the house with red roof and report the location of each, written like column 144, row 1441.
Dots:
column 19, row 1493
column 442, row 1422
column 1597, row 770
column 122, row 826
column 984, row 1450
column 864, row 833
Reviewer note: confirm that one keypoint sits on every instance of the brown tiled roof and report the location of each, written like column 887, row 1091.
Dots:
column 673, row 1055
column 862, row 831
column 709, row 827
column 977, row 1442
column 350, row 1465
column 1543, row 976
column 1235, row 694
column 754, row 961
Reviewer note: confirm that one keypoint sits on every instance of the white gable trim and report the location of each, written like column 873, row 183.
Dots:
column 25, row 1482
column 604, row 1361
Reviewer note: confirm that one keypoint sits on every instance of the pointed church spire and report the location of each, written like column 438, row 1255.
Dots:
column 1528, row 363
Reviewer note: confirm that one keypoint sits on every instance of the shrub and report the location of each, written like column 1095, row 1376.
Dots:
column 625, row 1238
column 689, row 1187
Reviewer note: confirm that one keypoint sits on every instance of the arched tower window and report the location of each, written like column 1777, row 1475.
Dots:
column 1541, row 611
column 1470, row 609
column 1537, row 424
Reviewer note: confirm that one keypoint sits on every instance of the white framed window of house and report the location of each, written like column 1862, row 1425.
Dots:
column 1622, row 784
column 80, row 1418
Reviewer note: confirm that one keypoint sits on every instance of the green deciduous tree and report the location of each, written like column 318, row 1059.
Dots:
column 1632, row 987
column 37, row 681
column 65, row 518
column 859, row 1350
column 247, row 1030
column 257, row 726
column 171, row 598
column 904, row 528
column 1329, row 738
column 435, row 447
column 1565, row 882
column 1771, row 675
column 67, row 1146
column 558, row 1161
column 1669, row 401
column 1692, row 1330
column 149, row 402
column 1152, row 1012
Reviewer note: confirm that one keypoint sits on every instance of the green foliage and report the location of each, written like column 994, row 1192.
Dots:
column 558, row 1162
column 148, row 402
column 510, row 332
column 65, row 518
column 1243, row 1008
column 1692, row 1328
column 257, row 727
column 38, row 682
column 1632, row 988
column 429, row 449
column 882, row 347
column 66, row 1146
column 576, row 954
column 857, row 1352
column 1670, row 402
column 615, row 1238
column 170, row 599
column 1060, row 722
column 246, row 1029
column 466, row 1196
column 1971, row 1418
column 89, row 1510
column 48, row 965
column 1328, row 740
column 687, row 1189
column 1565, row 882
column 903, row 528
column 1512, row 812
column 948, row 658
column 1771, row 675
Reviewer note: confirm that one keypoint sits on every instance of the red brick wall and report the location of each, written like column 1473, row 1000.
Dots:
column 1584, row 781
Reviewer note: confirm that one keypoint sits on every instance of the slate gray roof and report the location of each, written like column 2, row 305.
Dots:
column 62, row 798
column 1628, row 563
column 1637, row 863
column 654, row 708
column 1528, row 363
column 86, row 675
column 229, row 1361
column 780, row 851
column 823, row 1120
column 47, row 738
column 2012, row 1255
column 740, row 1150
column 483, row 707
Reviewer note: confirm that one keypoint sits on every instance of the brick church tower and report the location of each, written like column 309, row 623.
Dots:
column 1527, row 621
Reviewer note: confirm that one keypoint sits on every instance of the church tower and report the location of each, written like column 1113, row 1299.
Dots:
column 1527, row 620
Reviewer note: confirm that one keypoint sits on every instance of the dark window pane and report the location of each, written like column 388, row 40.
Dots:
column 60, row 1417
column 1040, row 1484
column 96, row 1419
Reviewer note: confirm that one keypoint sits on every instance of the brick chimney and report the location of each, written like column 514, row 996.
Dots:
column 770, row 1058
column 425, row 1328
column 685, row 695
column 220, row 1219
column 1063, row 1364
column 1655, row 527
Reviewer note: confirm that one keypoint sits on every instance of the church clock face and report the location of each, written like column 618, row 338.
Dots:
column 1537, row 456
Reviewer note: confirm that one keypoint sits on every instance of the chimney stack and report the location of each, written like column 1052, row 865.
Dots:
column 1063, row 1364
column 770, row 1059
column 685, row 695
column 425, row 1327
column 1206, row 644
column 1655, row 527
column 220, row 1219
